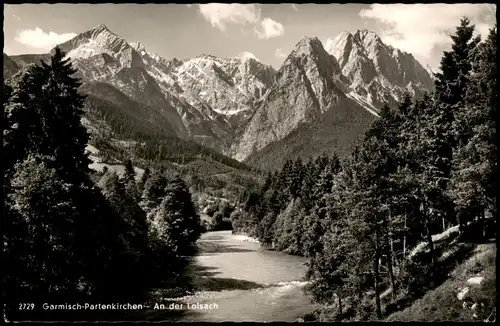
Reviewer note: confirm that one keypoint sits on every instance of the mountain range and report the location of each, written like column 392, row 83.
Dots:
column 321, row 99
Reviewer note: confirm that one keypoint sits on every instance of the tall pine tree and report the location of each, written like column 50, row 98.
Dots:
column 473, row 181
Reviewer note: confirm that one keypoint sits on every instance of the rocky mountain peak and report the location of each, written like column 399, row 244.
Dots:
column 307, row 85
column 139, row 47
column 96, row 41
column 100, row 28
column 101, row 32
column 308, row 45
column 310, row 56
column 379, row 73
column 206, row 56
column 365, row 35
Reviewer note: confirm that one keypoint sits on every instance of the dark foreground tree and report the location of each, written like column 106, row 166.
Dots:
column 65, row 242
column 40, row 230
column 176, row 220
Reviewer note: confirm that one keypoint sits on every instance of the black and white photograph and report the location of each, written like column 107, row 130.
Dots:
column 249, row 162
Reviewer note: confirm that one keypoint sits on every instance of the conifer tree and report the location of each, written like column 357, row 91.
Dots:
column 66, row 137
column 129, row 181
column 455, row 66
column 310, row 176
column 129, row 172
column 474, row 164
column 451, row 84
column 311, row 238
column 135, row 227
column 322, row 188
column 296, row 178
column 428, row 152
column 328, row 271
column 176, row 220
column 23, row 120
column 284, row 184
column 154, row 191
column 266, row 229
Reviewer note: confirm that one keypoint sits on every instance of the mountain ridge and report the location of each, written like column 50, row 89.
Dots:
column 239, row 106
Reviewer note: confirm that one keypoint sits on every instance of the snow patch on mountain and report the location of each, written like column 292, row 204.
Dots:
column 378, row 72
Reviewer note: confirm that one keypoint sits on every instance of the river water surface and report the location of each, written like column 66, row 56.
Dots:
column 245, row 282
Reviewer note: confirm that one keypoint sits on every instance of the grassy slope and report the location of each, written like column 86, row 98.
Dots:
column 442, row 304
column 459, row 261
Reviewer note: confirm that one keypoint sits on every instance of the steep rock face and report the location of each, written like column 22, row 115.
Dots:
column 378, row 72
column 335, row 132
column 308, row 84
column 222, row 92
column 229, row 86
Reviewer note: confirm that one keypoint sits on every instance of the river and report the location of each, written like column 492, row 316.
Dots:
column 239, row 280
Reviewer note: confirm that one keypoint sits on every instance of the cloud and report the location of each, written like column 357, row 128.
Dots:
column 37, row 38
column 422, row 28
column 279, row 53
column 246, row 54
column 222, row 14
column 16, row 16
column 269, row 28
column 295, row 7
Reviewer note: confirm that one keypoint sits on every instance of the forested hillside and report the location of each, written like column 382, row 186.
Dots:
column 73, row 236
column 419, row 169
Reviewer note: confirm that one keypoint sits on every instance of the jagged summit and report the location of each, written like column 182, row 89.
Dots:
column 307, row 85
column 363, row 34
column 309, row 50
column 138, row 46
column 100, row 28
column 99, row 31
column 97, row 40
column 308, row 42
column 378, row 72
column 248, row 59
column 205, row 56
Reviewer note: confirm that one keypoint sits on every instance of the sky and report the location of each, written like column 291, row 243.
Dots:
column 267, row 32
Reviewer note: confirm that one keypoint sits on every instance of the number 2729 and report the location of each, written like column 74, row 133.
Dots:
column 26, row 306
